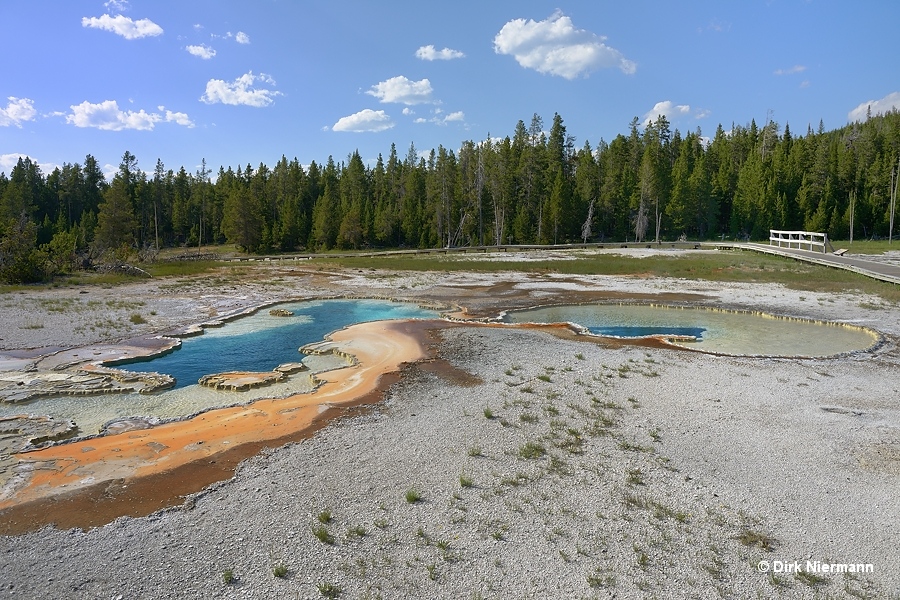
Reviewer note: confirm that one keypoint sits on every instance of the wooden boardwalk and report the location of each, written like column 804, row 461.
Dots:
column 869, row 268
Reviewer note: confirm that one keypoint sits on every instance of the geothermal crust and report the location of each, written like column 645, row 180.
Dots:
column 511, row 462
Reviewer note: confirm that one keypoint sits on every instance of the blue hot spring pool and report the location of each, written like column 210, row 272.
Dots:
column 261, row 342
column 257, row 342
column 714, row 331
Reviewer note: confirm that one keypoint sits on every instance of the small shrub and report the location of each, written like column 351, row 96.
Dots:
column 357, row 531
column 475, row 451
column 635, row 477
column 228, row 576
column 280, row 571
column 413, row 496
column 532, row 450
column 748, row 537
column 528, row 418
column 323, row 535
column 329, row 590
column 325, row 516
column 137, row 319
column 466, row 481
column 544, row 378
column 488, row 413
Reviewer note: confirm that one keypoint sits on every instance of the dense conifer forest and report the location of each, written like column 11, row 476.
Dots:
column 535, row 186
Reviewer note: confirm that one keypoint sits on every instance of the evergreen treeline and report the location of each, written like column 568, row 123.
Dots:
column 533, row 187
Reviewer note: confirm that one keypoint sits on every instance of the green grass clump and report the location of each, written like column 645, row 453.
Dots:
column 228, row 576
column 323, row 535
column 329, row 590
column 324, row 516
column 413, row 496
column 466, row 481
column 137, row 319
column 749, row 537
column 532, row 450
column 280, row 571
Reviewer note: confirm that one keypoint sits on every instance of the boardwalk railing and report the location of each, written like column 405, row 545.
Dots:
column 802, row 240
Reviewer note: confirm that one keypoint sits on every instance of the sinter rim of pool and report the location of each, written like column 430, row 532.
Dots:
column 686, row 342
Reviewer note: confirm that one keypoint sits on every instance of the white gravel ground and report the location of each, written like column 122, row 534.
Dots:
column 607, row 473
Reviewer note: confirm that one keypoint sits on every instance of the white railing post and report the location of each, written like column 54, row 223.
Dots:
column 809, row 239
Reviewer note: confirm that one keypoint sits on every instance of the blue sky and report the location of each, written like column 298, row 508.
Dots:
column 242, row 83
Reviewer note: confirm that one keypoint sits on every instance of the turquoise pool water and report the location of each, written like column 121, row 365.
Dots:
column 715, row 331
column 261, row 342
column 257, row 342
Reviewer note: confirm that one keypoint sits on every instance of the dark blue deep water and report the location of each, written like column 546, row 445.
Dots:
column 261, row 342
column 627, row 331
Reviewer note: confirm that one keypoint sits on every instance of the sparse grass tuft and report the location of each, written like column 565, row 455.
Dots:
column 329, row 590
column 466, row 481
column 532, row 450
column 356, row 531
column 635, row 477
column 280, row 571
column 528, row 418
column 325, row 516
column 228, row 576
column 137, row 319
column 810, row 579
column 413, row 496
column 749, row 537
column 323, row 535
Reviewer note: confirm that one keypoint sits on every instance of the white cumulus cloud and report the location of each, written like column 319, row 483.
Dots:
column 124, row 26
column 241, row 38
column 241, row 91
column 667, row 108
column 203, row 51
column 17, row 111
column 366, row 120
column 876, row 107
column 429, row 53
column 554, row 46
column 108, row 116
column 402, row 90
column 9, row 161
column 178, row 118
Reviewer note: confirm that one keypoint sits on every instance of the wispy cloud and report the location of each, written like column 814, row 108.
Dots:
column 124, row 26
column 791, row 71
column 203, row 51
column 241, row 91
column 107, row 116
column 554, row 46
column 875, row 107
column 365, row 121
column 116, row 5
column 429, row 53
column 402, row 90
column 439, row 118
column 17, row 111
column 665, row 108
